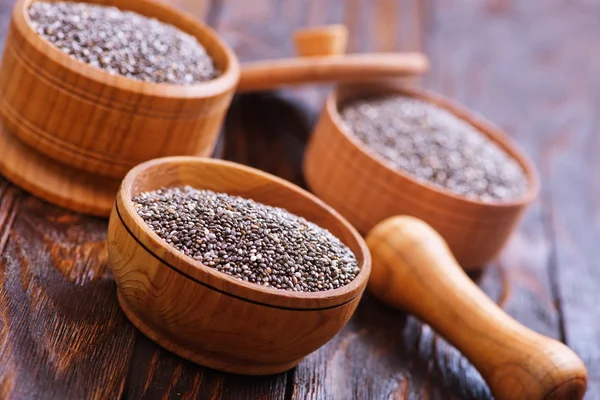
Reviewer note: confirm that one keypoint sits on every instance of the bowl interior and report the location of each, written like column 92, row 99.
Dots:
column 222, row 56
column 235, row 179
column 347, row 93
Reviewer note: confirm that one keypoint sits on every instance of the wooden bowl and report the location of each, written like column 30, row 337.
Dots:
column 347, row 176
column 90, row 120
column 207, row 316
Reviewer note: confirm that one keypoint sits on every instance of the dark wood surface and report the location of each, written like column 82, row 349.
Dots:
column 531, row 67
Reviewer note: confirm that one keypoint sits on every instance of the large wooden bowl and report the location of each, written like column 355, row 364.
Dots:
column 207, row 316
column 90, row 120
column 350, row 178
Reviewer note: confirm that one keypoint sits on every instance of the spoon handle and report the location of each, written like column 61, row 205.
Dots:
column 270, row 74
column 414, row 270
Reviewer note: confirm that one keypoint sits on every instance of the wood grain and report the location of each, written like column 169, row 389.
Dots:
column 59, row 321
column 161, row 374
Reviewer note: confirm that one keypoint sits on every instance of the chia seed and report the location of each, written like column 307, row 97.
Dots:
column 251, row 241
column 434, row 146
column 123, row 42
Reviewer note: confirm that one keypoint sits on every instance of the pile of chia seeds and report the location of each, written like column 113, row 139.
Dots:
column 251, row 241
column 435, row 147
column 123, row 42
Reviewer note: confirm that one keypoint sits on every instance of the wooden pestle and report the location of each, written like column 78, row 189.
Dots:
column 413, row 270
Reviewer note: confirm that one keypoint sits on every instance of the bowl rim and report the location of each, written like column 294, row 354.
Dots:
column 225, row 81
column 486, row 127
column 267, row 296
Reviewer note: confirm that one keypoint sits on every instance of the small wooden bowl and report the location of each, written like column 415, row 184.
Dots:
column 207, row 316
column 347, row 176
column 104, row 124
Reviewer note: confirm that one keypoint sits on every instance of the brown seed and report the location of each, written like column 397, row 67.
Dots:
column 246, row 239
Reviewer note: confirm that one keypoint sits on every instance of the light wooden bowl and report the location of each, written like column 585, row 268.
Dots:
column 347, row 176
column 90, row 120
column 209, row 317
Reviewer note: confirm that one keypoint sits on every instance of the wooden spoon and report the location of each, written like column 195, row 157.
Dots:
column 413, row 270
column 323, row 60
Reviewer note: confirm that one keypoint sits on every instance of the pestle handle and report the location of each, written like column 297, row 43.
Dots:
column 413, row 270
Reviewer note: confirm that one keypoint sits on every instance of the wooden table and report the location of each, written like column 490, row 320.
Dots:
column 531, row 66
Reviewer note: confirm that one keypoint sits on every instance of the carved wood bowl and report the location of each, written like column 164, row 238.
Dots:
column 341, row 171
column 207, row 316
column 72, row 116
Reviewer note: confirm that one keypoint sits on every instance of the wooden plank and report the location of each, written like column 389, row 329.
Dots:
column 534, row 80
column 157, row 374
column 62, row 333
column 563, row 98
